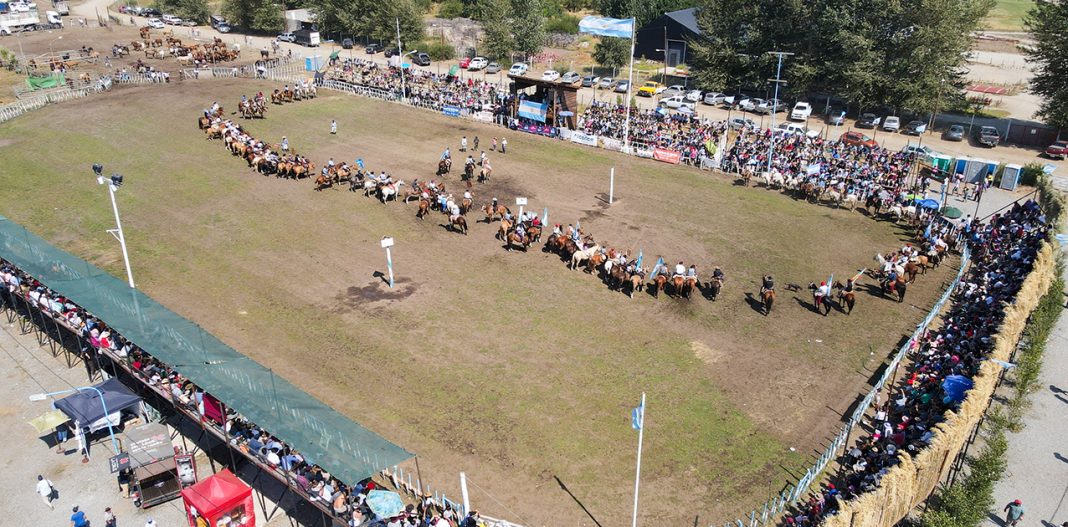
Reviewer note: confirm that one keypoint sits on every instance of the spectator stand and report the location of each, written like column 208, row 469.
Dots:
column 561, row 99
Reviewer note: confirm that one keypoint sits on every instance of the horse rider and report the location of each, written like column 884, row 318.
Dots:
column 330, row 163
column 493, row 206
column 767, row 284
column 680, row 270
column 692, row 273
column 469, row 164
column 482, row 161
column 454, row 212
column 285, row 144
column 446, row 154
column 467, row 194
column 717, row 274
column 849, row 287
column 557, row 231
column 214, row 107
column 463, row 144
column 243, row 99
column 535, row 221
column 520, row 231
column 821, row 293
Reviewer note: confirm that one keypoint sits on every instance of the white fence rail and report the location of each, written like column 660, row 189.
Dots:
column 17, row 108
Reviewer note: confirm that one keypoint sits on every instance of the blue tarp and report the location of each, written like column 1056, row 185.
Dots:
column 956, row 386
column 928, row 204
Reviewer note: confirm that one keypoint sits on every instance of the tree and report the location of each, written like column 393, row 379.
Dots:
column 257, row 15
column 371, row 18
column 644, row 11
column 497, row 28
column 528, row 26
column 612, row 52
column 1048, row 24
column 195, row 10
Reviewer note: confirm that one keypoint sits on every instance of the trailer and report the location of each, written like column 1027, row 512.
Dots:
column 19, row 21
column 62, row 8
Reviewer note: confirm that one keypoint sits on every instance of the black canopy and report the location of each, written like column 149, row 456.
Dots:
column 85, row 406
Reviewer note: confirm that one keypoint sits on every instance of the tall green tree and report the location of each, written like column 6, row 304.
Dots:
column 195, row 10
column 528, row 26
column 257, row 15
column 612, row 52
column 1048, row 24
column 371, row 18
column 643, row 11
column 497, row 28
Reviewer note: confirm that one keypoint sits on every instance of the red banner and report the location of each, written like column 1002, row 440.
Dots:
column 667, row 156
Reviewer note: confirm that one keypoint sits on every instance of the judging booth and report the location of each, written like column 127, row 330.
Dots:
column 221, row 500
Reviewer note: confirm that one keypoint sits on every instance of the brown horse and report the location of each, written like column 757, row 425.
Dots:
column 688, row 286
column 492, row 212
column 323, row 181
column 637, row 281
column 848, row 298
column 677, row 284
column 424, row 208
column 460, row 223
column 767, row 298
column 899, row 287
column 519, row 241
column 714, row 286
column 504, row 229
column 444, row 167
column 595, row 262
column 658, row 284
column 617, row 277
column 465, row 206
column 911, row 269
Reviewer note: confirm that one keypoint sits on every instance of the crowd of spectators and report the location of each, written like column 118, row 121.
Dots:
column 686, row 133
column 347, row 501
column 1003, row 252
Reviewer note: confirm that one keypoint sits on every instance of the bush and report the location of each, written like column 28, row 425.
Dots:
column 1030, row 173
column 438, row 50
column 451, row 9
column 564, row 23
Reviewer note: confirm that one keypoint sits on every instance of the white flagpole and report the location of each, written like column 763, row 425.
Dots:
column 630, row 86
column 638, row 471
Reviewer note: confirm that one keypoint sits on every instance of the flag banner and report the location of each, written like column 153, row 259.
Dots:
column 656, row 268
column 641, row 256
column 607, row 27
column 637, row 416
column 359, row 163
column 533, row 110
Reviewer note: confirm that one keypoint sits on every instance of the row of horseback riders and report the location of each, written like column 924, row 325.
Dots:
column 263, row 157
column 254, row 107
column 300, row 90
column 482, row 165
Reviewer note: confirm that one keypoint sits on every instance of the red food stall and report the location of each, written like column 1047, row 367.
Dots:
column 222, row 500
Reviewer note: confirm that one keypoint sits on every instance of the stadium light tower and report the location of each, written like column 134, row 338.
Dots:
column 113, row 184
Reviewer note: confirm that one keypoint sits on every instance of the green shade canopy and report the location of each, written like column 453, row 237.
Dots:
column 325, row 437
column 952, row 213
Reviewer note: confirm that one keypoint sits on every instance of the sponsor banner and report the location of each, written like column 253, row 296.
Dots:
column 611, row 144
column 583, row 138
column 565, row 134
column 484, row 116
column 642, row 151
column 667, row 156
column 451, row 111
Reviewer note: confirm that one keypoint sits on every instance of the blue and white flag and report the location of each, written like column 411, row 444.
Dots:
column 637, row 416
column 607, row 27
column 656, row 268
column 641, row 256
column 545, row 216
column 359, row 163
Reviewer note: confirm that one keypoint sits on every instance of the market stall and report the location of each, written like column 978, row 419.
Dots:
column 221, row 500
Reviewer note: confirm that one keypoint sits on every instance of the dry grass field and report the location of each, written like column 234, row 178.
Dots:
column 507, row 366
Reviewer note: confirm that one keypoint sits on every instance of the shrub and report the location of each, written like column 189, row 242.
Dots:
column 564, row 23
column 438, row 50
column 1030, row 173
column 451, row 9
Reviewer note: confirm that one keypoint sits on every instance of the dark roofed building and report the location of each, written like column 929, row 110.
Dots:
column 671, row 31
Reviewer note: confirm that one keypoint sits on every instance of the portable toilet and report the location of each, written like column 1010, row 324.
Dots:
column 1010, row 176
column 941, row 161
column 960, row 165
column 992, row 166
column 313, row 63
column 975, row 170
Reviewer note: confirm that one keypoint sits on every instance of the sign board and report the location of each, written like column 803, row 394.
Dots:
column 119, row 462
column 148, row 444
column 667, row 156
column 387, row 242
column 520, row 201
column 451, row 111
column 583, row 139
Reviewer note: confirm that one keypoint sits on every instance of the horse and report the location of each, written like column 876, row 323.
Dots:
column 819, row 302
column 848, row 298
column 581, row 256
column 388, row 192
column 899, row 287
column 677, row 283
column 714, row 286
column 689, row 285
column 513, row 238
column 484, row 174
column 772, row 179
column 492, row 212
column 851, row 201
column 323, row 181
column 596, row 261
column 767, row 298
column 504, row 229
column 658, row 284
column 444, row 167
column 424, row 208
column 617, row 276
column 911, row 269
column 460, row 222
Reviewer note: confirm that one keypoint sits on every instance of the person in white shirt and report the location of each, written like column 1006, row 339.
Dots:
column 680, row 270
column 44, row 490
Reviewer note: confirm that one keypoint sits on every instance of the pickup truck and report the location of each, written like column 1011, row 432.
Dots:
column 988, row 136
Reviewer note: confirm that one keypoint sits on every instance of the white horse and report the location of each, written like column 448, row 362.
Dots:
column 772, row 179
column 903, row 212
column 582, row 256
column 851, row 201
column 389, row 192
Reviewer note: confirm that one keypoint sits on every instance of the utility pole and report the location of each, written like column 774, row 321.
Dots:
column 400, row 63
column 775, row 102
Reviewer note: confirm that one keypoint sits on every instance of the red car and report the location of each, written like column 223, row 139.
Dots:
column 1058, row 150
column 465, row 62
column 857, row 138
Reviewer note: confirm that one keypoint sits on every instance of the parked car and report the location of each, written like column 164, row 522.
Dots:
column 570, row 77
column 346, row 43
column 856, row 138
column 155, row 23
column 151, row 11
column 789, row 128
column 988, row 136
column 651, row 88
column 518, row 69
column 917, row 150
column 738, row 123
column 590, row 81
column 223, row 28
column 478, row 63
column 606, row 82
column 801, row 112
column 694, row 95
column 493, row 67
column 673, row 90
column 892, row 123
column 954, row 133
column 622, row 86
column 287, row 37
column 420, row 58
column 465, row 62
column 676, row 102
column 916, row 127
column 749, row 105
column 713, row 98
column 171, row 20
column 768, row 106
column 728, row 100
column 1058, row 150
column 836, row 117
column 868, row 120
column 372, row 49
column 189, row 23
column 550, row 75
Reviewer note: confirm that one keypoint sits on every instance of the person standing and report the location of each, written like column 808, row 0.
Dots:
column 1014, row 512
column 476, row 142
column 78, row 519
column 463, row 144
column 504, row 145
column 109, row 518
column 44, row 490
column 333, row 127
column 61, row 437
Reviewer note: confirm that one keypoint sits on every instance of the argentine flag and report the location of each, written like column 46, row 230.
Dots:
column 637, row 416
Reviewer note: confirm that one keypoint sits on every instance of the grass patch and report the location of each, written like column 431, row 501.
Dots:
column 1008, row 15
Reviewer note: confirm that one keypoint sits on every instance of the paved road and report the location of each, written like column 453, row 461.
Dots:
column 1038, row 456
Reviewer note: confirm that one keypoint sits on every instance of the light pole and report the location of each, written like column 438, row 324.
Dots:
column 103, row 404
column 400, row 62
column 113, row 184
column 51, row 54
column 775, row 102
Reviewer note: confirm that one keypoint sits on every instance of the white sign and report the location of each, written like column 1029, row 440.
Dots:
column 583, row 139
column 387, row 242
column 520, row 201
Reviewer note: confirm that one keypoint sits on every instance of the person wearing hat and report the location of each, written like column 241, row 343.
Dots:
column 109, row 518
column 1014, row 512
column 767, row 284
